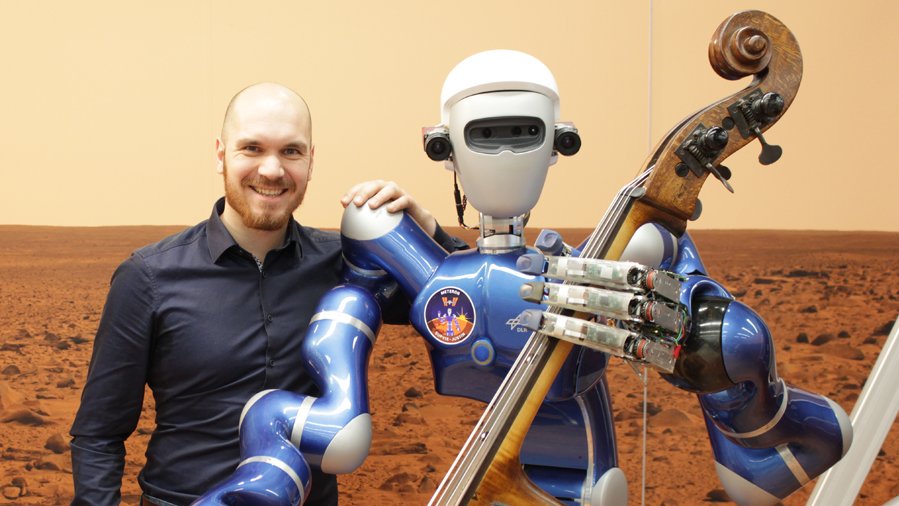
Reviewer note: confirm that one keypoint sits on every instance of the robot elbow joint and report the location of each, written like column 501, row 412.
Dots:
column 349, row 447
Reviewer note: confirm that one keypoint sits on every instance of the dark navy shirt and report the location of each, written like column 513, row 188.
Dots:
column 195, row 318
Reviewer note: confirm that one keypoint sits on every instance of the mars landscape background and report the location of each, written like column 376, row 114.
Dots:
column 111, row 111
column 829, row 298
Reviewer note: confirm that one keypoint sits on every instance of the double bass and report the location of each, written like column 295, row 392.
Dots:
column 488, row 470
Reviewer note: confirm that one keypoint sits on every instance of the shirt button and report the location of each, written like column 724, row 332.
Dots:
column 268, row 318
column 271, row 362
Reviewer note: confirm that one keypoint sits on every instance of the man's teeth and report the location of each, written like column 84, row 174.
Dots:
column 268, row 192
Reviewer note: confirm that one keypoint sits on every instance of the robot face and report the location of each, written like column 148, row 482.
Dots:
column 502, row 148
column 499, row 130
column 495, row 135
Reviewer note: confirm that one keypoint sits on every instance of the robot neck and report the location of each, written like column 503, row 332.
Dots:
column 501, row 235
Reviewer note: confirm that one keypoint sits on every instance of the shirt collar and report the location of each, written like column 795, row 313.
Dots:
column 219, row 240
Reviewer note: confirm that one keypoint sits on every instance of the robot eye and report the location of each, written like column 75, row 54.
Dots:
column 437, row 143
column 495, row 135
column 567, row 141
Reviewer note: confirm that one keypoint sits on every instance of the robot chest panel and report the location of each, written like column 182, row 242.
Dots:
column 468, row 314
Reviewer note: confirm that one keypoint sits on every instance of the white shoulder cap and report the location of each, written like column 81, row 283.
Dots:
column 652, row 246
column 364, row 224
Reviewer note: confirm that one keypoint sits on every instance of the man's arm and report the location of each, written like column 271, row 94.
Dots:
column 113, row 394
column 449, row 242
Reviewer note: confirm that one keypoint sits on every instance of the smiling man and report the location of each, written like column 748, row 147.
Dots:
column 212, row 315
column 266, row 156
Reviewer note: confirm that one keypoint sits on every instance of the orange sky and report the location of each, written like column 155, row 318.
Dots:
column 110, row 109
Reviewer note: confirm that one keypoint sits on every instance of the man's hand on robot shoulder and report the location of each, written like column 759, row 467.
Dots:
column 637, row 307
column 379, row 193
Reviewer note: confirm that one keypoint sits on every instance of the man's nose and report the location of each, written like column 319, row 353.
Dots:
column 271, row 167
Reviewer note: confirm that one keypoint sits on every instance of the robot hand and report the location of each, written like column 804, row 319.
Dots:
column 625, row 309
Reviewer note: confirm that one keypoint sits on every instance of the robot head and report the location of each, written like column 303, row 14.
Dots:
column 499, row 130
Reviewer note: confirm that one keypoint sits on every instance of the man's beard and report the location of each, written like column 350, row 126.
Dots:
column 267, row 219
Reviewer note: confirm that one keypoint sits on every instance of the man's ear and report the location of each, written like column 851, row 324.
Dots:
column 311, row 163
column 219, row 156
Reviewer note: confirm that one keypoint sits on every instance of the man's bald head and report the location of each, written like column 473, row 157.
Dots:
column 272, row 96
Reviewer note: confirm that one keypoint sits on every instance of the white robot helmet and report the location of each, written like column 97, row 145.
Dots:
column 497, row 70
column 499, row 130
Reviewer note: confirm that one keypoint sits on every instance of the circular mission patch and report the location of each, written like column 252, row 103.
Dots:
column 450, row 315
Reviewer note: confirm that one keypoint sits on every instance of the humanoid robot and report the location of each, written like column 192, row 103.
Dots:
column 499, row 133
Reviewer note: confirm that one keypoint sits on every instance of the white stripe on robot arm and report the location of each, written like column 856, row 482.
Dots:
column 280, row 464
column 296, row 433
column 785, row 400
column 249, row 404
column 337, row 316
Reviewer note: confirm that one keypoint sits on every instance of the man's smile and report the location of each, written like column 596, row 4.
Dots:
column 268, row 192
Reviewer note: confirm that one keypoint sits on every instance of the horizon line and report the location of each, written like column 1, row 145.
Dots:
column 456, row 227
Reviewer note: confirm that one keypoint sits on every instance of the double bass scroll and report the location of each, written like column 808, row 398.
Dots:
column 487, row 470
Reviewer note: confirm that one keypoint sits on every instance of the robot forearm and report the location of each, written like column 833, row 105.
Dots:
column 282, row 433
column 729, row 360
column 769, row 438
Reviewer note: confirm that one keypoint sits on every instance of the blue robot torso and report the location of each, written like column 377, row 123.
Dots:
column 470, row 325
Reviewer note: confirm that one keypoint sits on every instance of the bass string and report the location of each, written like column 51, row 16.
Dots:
column 599, row 244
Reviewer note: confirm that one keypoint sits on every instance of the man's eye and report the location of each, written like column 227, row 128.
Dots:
column 292, row 152
column 252, row 149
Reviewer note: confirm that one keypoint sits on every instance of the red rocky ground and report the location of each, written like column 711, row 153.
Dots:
column 828, row 297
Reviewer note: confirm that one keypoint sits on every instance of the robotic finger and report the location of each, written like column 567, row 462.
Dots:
column 615, row 341
column 629, row 276
column 636, row 308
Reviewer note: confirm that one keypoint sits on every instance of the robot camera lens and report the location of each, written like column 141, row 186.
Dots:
column 533, row 130
column 438, row 148
column 568, row 142
column 487, row 133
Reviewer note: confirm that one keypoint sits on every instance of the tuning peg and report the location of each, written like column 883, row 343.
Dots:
column 770, row 152
column 723, row 175
column 714, row 139
column 725, row 172
column 768, row 106
column 697, row 211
